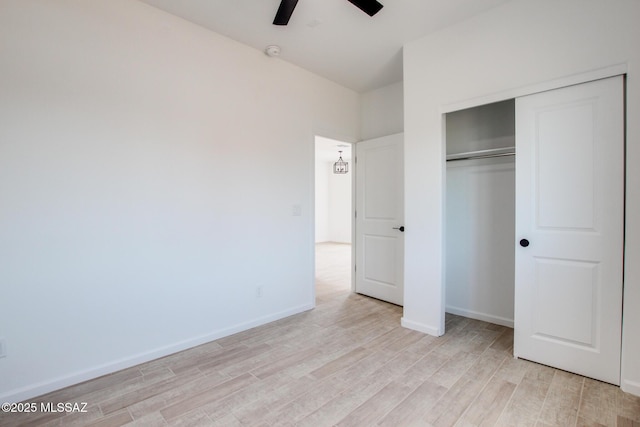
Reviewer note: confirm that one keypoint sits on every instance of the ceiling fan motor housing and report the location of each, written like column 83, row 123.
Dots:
column 285, row 10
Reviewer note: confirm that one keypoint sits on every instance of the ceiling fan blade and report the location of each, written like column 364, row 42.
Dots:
column 284, row 12
column 370, row 7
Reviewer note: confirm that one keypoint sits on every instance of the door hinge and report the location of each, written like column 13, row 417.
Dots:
column 355, row 214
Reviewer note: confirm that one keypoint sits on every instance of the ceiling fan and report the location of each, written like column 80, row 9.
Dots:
column 370, row 7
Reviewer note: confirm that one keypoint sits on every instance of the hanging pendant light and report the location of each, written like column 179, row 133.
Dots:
column 340, row 166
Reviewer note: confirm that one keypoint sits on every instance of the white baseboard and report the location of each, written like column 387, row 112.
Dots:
column 420, row 327
column 34, row 390
column 480, row 316
column 631, row 387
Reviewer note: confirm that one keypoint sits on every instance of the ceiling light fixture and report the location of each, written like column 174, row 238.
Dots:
column 340, row 166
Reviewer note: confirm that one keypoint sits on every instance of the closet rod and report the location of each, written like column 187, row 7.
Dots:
column 482, row 156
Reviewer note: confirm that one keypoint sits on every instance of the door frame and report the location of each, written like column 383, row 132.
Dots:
column 613, row 71
column 603, row 73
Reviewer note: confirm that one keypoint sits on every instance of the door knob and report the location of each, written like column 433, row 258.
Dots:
column 524, row 243
column 401, row 228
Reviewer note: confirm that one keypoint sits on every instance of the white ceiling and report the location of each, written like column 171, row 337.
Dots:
column 331, row 38
column 327, row 150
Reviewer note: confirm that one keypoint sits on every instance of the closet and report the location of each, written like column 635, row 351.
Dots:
column 535, row 240
column 480, row 212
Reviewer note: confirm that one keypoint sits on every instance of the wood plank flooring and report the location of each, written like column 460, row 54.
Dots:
column 346, row 363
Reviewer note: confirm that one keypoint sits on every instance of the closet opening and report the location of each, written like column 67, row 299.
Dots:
column 480, row 213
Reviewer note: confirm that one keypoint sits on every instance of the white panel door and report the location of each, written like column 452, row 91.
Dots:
column 380, row 218
column 569, row 208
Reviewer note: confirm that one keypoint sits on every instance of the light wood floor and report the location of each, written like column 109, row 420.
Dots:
column 346, row 363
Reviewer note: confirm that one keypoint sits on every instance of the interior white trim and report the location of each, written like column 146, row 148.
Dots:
column 631, row 387
column 574, row 79
column 41, row 388
column 420, row 327
column 480, row 316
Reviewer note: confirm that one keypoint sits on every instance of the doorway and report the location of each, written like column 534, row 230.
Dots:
column 333, row 217
column 480, row 212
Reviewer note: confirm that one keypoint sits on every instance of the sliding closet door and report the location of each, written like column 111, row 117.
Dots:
column 569, row 228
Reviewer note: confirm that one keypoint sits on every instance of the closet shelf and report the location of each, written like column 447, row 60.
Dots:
column 482, row 154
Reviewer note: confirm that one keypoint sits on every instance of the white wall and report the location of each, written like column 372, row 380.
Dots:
column 481, row 128
column 480, row 221
column 340, row 206
column 520, row 47
column 322, row 201
column 382, row 111
column 333, row 203
column 147, row 185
